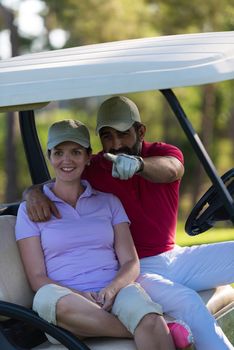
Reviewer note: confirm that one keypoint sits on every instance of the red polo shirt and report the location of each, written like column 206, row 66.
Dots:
column 151, row 207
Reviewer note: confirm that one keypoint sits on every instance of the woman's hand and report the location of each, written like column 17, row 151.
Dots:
column 92, row 296
column 106, row 297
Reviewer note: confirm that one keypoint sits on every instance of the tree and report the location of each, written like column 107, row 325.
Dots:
column 181, row 16
column 10, row 146
column 94, row 21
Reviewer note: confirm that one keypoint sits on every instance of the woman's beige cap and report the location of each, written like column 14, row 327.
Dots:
column 117, row 112
column 68, row 130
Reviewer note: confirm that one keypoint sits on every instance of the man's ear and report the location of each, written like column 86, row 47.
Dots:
column 141, row 132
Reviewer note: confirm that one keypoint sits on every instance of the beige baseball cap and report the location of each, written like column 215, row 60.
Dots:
column 68, row 130
column 117, row 112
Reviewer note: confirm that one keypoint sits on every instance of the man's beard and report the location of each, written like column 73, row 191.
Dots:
column 135, row 150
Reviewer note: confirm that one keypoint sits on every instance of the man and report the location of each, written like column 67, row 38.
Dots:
column 146, row 177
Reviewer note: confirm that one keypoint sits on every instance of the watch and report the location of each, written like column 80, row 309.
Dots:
column 141, row 164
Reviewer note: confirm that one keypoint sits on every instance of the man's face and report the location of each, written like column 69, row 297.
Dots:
column 114, row 141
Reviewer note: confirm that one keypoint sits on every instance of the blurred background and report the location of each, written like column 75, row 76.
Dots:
column 39, row 25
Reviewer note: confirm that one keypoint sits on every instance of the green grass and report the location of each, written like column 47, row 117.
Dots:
column 213, row 235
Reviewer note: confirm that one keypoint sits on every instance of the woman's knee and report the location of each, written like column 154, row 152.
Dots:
column 63, row 306
column 152, row 323
column 133, row 296
column 132, row 304
column 46, row 300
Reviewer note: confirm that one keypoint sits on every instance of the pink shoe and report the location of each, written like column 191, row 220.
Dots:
column 181, row 334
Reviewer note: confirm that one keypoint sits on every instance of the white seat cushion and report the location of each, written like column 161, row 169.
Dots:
column 217, row 299
column 14, row 286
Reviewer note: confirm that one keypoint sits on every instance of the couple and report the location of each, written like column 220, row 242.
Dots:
column 83, row 267
column 146, row 178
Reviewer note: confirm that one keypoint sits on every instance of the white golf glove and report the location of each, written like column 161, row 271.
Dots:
column 124, row 165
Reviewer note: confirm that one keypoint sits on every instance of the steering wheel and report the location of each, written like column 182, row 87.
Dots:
column 209, row 209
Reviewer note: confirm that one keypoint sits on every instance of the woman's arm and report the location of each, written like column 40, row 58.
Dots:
column 129, row 265
column 33, row 261
column 34, row 265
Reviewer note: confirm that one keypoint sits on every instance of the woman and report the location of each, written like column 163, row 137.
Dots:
column 83, row 266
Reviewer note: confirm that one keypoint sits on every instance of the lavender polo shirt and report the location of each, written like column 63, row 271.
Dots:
column 79, row 247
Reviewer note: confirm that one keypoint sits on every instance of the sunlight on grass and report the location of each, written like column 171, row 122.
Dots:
column 212, row 235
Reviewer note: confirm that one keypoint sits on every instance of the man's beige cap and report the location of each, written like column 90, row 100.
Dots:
column 117, row 112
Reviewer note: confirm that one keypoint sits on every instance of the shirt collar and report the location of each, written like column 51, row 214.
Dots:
column 88, row 192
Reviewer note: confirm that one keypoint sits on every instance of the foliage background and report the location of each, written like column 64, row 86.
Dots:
column 210, row 108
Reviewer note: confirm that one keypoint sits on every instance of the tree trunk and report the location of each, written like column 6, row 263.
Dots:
column 11, row 189
column 166, row 123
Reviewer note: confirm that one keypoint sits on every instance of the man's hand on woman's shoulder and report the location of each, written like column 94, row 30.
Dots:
column 39, row 207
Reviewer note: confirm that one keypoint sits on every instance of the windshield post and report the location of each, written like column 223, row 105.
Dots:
column 200, row 151
column 35, row 158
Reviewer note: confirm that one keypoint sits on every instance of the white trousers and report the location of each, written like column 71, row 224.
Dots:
column 173, row 278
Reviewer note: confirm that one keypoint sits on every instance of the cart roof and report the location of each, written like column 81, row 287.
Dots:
column 117, row 67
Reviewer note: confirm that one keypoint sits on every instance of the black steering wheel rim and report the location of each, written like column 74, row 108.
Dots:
column 209, row 209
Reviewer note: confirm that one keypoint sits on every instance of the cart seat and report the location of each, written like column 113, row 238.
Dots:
column 14, row 288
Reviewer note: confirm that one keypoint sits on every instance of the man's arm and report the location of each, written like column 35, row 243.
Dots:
column 39, row 206
column 160, row 169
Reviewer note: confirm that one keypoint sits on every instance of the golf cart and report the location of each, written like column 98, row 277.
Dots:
column 29, row 82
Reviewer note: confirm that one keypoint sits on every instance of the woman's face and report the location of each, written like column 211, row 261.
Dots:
column 69, row 160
